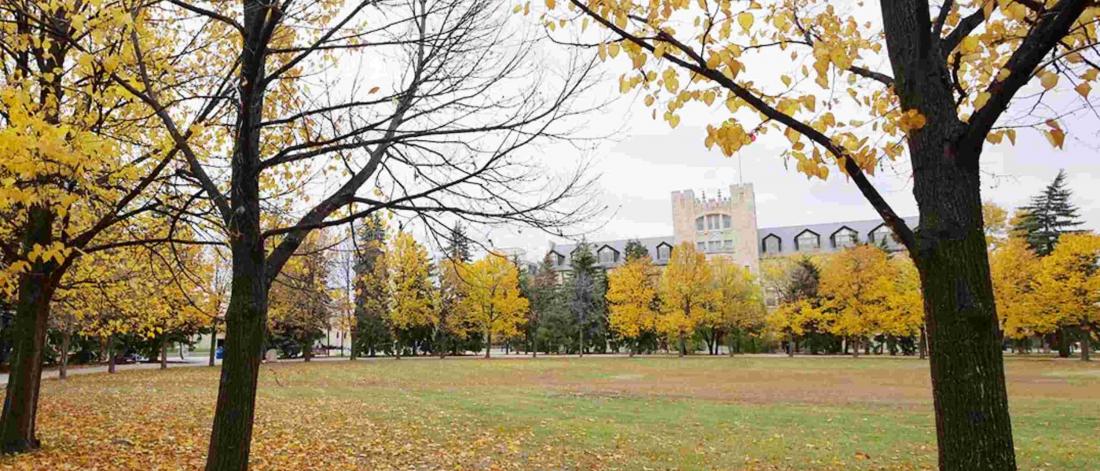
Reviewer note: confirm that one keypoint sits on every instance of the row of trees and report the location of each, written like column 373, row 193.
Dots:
column 715, row 299
column 861, row 297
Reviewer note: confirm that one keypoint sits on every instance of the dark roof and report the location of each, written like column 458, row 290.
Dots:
column 786, row 234
column 650, row 243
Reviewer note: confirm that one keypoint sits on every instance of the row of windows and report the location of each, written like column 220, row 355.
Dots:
column 715, row 245
column 712, row 222
column 843, row 238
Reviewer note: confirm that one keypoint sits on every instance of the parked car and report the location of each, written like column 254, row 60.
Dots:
column 219, row 353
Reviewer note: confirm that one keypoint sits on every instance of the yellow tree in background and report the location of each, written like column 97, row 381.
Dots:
column 411, row 299
column 632, row 300
column 738, row 301
column 857, row 283
column 687, row 293
column 794, row 319
column 492, row 299
column 1013, row 268
column 1067, row 286
column 904, row 316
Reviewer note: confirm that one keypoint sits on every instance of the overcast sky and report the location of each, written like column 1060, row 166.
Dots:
column 647, row 160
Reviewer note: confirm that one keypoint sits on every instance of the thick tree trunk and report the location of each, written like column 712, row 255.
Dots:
column 1061, row 341
column 973, row 426
column 246, row 315
column 66, row 339
column 32, row 311
column 790, row 345
column 242, row 352
column 683, row 346
column 164, row 353
column 307, row 351
column 580, row 351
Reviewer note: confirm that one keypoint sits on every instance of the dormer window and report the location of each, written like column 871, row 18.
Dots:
column 845, row 237
column 608, row 255
column 664, row 251
column 807, row 240
column 883, row 237
column 772, row 244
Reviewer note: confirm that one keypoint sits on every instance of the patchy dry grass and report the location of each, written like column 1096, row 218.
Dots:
column 561, row 413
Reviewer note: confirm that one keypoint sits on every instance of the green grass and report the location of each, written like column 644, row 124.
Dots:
column 643, row 413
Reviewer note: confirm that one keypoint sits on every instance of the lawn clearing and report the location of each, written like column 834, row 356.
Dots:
column 560, row 413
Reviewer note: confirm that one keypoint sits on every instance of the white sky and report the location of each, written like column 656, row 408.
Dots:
column 648, row 160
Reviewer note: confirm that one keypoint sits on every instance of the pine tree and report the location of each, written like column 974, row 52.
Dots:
column 458, row 244
column 370, row 332
column 583, row 287
column 634, row 250
column 1049, row 215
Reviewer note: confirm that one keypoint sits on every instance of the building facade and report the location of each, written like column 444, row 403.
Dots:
column 724, row 225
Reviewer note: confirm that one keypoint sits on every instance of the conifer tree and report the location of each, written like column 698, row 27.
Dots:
column 1049, row 215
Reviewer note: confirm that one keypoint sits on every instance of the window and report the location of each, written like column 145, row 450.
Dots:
column 608, row 255
column 882, row 236
column 772, row 244
column 727, row 222
column 727, row 245
column 714, row 245
column 844, row 238
column 699, row 223
column 701, row 246
column 560, row 259
column 663, row 252
column 807, row 240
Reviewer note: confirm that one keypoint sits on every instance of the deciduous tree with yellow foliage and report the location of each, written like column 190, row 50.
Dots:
column 687, row 294
column 856, row 284
column 1067, row 286
column 492, row 299
column 632, row 299
column 738, row 302
column 412, row 301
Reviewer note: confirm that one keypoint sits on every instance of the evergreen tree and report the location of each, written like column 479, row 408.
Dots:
column 634, row 250
column 458, row 244
column 1049, row 215
column 370, row 333
column 540, row 287
column 583, row 288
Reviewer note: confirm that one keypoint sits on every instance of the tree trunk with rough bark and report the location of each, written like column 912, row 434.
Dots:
column 164, row 353
column 246, row 315
column 32, row 311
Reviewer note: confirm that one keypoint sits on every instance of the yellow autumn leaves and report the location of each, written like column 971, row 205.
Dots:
column 689, row 293
column 863, row 292
column 1036, row 296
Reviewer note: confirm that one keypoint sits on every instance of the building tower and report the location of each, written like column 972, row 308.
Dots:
column 719, row 225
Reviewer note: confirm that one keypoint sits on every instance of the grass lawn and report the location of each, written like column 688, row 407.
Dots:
column 561, row 413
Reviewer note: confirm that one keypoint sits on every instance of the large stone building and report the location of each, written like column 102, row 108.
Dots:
column 724, row 225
